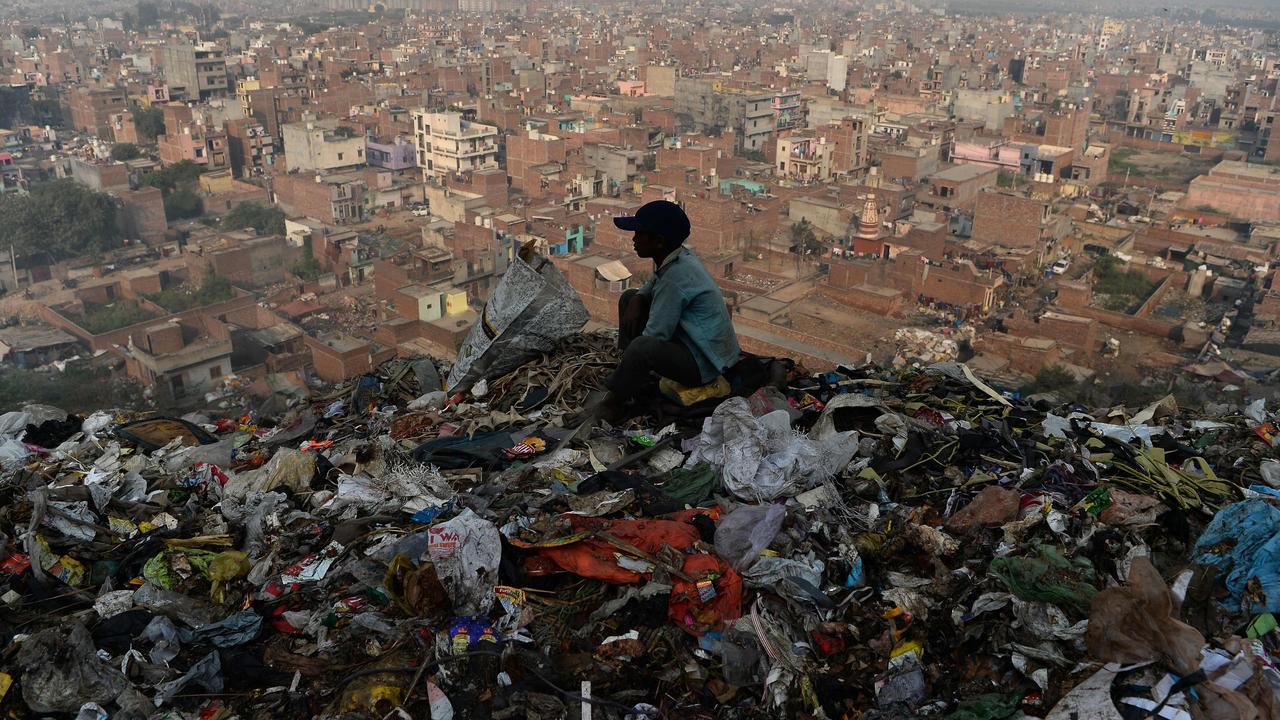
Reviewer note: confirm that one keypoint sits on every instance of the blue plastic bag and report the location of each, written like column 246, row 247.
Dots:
column 1243, row 542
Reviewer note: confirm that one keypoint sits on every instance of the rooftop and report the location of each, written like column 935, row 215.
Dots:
column 342, row 342
column 21, row 338
column 961, row 173
column 1252, row 171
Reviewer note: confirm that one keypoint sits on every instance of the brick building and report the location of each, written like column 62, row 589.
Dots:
column 954, row 282
column 338, row 356
column 335, row 199
column 322, row 146
column 251, row 148
column 244, row 259
column 850, row 138
column 182, row 357
column 186, row 138
column 956, row 188
column 92, row 108
column 1242, row 190
column 528, row 152
column 1010, row 220
column 143, row 215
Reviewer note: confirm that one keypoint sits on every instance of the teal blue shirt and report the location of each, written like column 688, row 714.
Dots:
column 686, row 306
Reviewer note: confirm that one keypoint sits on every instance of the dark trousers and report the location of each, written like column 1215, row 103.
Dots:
column 643, row 357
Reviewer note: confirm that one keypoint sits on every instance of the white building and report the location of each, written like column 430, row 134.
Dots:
column 837, row 73
column 322, row 146
column 447, row 143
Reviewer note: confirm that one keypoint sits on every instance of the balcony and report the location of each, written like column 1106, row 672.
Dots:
column 482, row 150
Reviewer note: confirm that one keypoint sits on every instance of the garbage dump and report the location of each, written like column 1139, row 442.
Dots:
column 863, row 543
column 917, row 347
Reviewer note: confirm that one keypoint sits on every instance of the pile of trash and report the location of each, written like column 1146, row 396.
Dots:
column 869, row 543
column 917, row 347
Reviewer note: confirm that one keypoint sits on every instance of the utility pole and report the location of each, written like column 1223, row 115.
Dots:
column 13, row 262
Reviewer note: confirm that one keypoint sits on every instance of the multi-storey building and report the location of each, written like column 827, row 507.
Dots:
column 251, row 147
column 708, row 106
column 322, row 146
column 449, row 144
column 804, row 158
column 196, row 72
column 91, row 109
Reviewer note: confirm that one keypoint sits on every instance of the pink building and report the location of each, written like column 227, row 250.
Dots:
column 997, row 153
column 631, row 88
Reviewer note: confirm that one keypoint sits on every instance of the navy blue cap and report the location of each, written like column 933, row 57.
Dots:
column 660, row 217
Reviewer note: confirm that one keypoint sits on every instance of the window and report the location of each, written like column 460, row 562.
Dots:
column 339, row 156
column 215, row 372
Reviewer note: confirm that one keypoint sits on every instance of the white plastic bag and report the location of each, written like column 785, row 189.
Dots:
column 14, row 423
column 466, row 551
column 762, row 458
column 745, row 532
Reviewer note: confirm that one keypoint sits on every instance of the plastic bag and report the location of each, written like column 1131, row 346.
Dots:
column 466, row 551
column 252, row 511
column 761, row 459
column 226, row 566
column 532, row 308
column 289, row 468
column 207, row 674
column 1135, row 623
column 992, row 706
column 12, row 453
column 711, row 600
column 691, row 486
column 1270, row 470
column 1243, row 542
column 235, row 630
column 191, row 611
column 992, row 507
column 62, row 671
column 164, row 634
column 1046, row 576
column 745, row 532
column 14, row 423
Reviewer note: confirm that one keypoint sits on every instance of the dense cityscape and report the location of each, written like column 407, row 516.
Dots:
column 1072, row 197
column 239, row 206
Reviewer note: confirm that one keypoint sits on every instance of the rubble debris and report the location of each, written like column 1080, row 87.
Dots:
column 873, row 543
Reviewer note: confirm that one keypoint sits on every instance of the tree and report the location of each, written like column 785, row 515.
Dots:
column 172, row 177
column 266, row 220
column 213, row 288
column 125, row 151
column 78, row 389
column 149, row 121
column 63, row 218
column 15, row 106
column 49, row 112
column 99, row 319
column 803, row 240
column 182, row 204
column 308, row 268
column 148, row 15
